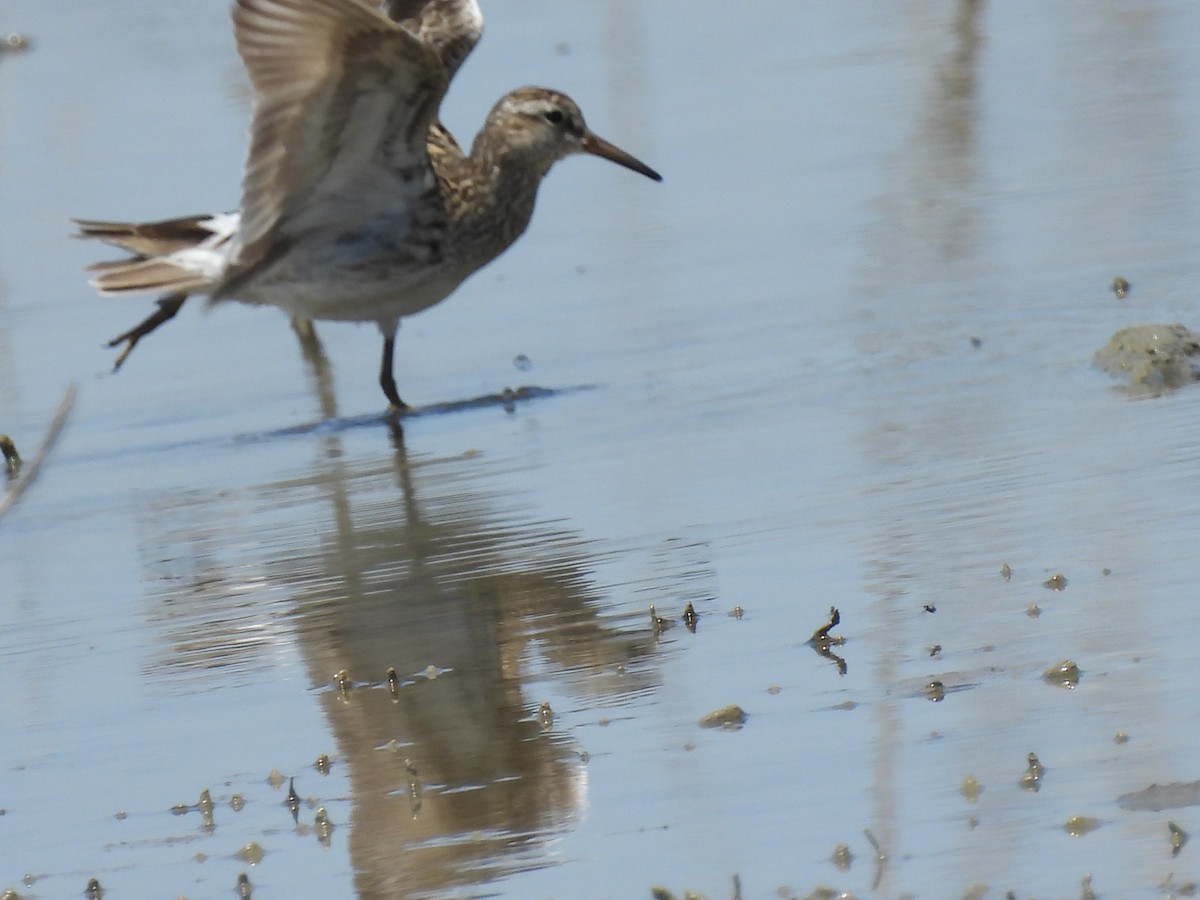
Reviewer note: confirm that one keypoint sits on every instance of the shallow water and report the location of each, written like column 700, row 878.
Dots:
column 840, row 357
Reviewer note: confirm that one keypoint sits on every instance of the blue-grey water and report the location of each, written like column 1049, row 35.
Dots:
column 841, row 357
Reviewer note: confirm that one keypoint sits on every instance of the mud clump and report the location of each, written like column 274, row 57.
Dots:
column 1156, row 359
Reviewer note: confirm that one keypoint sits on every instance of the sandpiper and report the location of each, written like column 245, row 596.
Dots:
column 357, row 205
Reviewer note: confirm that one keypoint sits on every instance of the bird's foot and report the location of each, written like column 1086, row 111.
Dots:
column 168, row 306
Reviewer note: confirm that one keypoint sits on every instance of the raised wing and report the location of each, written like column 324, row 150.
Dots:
column 343, row 95
column 451, row 27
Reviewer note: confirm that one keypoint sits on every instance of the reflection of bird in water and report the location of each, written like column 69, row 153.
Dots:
column 447, row 609
column 357, row 204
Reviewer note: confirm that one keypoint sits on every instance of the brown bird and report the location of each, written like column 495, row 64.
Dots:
column 357, row 205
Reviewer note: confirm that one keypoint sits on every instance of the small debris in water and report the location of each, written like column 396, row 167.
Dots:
column 935, row 691
column 1177, row 836
column 657, row 623
column 774, row 689
column 823, row 642
column 935, row 651
column 293, row 800
column 414, row 788
column 1056, row 582
column 1120, row 738
column 1158, row 797
column 545, row 716
column 1106, row 571
column 94, row 891
column 842, row 857
column 121, row 815
column 1085, row 885
column 971, row 788
column 822, row 637
column 1033, row 611
column 323, row 826
column 31, row 468
column 237, row 802
column 1031, row 780
column 275, row 779
column 820, row 892
column 12, row 459
column 929, row 608
column 976, row 342
column 322, row 765
column 1064, row 674
column 1078, row 826
column 1006, row 572
column 1120, row 287
column 243, row 886
column 660, row 893
column 251, row 853
column 1172, row 888
column 522, row 362
column 689, row 618
column 206, row 807
column 14, row 43
column 730, row 718
column 736, row 612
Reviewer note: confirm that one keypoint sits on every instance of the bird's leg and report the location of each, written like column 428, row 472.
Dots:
column 318, row 364
column 168, row 306
column 387, row 380
column 310, row 347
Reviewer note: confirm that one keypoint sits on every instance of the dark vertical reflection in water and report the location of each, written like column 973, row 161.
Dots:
column 928, row 236
column 1121, row 72
column 960, row 465
column 624, row 52
column 8, row 377
column 627, row 113
column 403, row 564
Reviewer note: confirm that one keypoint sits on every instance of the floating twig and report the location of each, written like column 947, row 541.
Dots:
column 880, row 859
column 823, row 642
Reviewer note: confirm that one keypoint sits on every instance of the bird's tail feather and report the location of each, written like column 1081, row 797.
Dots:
column 161, row 253
column 141, row 274
column 148, row 238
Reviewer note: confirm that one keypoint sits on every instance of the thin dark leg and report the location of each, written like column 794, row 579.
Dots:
column 168, row 306
column 387, row 381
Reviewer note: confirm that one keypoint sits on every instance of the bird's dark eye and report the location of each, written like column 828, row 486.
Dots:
column 553, row 116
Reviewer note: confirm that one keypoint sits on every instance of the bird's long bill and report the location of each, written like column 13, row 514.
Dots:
column 598, row 146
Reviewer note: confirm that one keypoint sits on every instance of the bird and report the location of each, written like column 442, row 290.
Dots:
column 357, row 203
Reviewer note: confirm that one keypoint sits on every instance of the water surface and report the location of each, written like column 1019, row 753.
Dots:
column 840, row 357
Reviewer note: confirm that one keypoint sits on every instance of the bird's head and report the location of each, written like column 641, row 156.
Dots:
column 540, row 126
